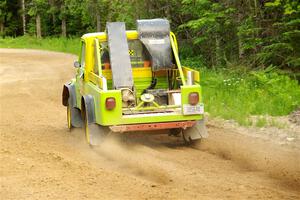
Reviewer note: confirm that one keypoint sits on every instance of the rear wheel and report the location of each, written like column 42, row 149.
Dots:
column 175, row 132
column 94, row 133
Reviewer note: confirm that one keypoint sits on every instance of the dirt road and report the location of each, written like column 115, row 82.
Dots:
column 41, row 159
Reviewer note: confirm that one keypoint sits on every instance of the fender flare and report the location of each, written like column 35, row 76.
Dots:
column 69, row 91
column 88, row 108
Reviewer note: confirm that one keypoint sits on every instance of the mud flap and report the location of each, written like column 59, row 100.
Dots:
column 69, row 100
column 94, row 133
column 76, row 119
column 196, row 132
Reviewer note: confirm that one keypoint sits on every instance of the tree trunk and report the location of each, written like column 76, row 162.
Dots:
column 98, row 21
column 255, row 8
column 109, row 13
column 168, row 12
column 52, row 5
column 63, row 28
column 240, row 39
column 97, row 14
column 2, row 29
column 218, row 51
column 38, row 26
column 137, row 11
column 240, row 47
column 24, row 17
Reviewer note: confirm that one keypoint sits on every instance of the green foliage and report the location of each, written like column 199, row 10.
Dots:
column 283, row 49
column 37, row 6
column 197, row 62
column 261, row 122
column 247, row 32
column 217, row 33
column 237, row 95
column 9, row 21
column 208, row 24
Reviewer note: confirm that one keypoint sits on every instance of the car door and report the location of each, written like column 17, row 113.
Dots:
column 80, row 72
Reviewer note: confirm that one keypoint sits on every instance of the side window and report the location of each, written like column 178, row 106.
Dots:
column 82, row 56
column 138, row 53
column 139, row 56
column 97, row 62
column 105, row 60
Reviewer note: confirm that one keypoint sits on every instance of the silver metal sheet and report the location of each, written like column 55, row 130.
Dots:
column 119, row 55
column 155, row 35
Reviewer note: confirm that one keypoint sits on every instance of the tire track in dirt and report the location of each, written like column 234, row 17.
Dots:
column 41, row 159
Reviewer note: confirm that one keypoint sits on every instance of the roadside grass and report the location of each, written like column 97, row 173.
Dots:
column 229, row 93
column 261, row 122
column 67, row 45
column 236, row 94
column 277, row 123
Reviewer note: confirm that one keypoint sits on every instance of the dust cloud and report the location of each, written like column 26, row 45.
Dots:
column 253, row 154
column 121, row 154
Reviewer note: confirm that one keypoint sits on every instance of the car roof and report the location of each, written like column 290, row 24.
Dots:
column 131, row 35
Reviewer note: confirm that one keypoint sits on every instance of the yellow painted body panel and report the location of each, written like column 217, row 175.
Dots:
column 196, row 73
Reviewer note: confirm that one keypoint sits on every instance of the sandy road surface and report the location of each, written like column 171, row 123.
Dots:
column 41, row 159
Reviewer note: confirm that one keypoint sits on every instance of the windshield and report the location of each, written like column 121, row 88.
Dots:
column 139, row 56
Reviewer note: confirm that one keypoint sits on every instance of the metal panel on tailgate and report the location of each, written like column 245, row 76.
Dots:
column 119, row 55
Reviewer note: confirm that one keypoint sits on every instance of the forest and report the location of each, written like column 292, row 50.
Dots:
column 254, row 33
column 248, row 51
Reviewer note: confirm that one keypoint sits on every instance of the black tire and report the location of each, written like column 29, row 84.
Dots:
column 94, row 133
column 69, row 118
column 176, row 132
column 73, row 117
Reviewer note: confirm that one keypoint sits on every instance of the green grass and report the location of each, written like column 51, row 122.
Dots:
column 228, row 93
column 277, row 123
column 237, row 95
column 261, row 122
column 67, row 45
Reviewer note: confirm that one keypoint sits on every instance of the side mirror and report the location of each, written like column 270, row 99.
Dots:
column 77, row 64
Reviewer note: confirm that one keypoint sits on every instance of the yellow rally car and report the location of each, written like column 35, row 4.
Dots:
column 133, row 81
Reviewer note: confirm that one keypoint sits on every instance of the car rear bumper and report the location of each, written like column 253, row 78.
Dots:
column 152, row 126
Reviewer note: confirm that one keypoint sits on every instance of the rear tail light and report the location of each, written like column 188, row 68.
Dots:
column 193, row 98
column 110, row 103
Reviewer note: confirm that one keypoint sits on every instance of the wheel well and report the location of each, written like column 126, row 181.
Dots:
column 83, row 109
column 65, row 96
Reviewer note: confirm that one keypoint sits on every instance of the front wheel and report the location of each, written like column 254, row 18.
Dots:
column 69, row 117
column 73, row 117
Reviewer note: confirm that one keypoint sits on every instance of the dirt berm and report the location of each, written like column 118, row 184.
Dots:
column 41, row 159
